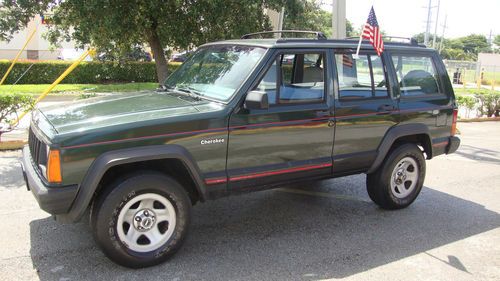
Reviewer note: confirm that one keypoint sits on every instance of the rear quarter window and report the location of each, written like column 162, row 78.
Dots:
column 417, row 75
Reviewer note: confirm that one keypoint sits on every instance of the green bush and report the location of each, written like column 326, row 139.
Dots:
column 45, row 72
column 489, row 103
column 10, row 106
column 468, row 102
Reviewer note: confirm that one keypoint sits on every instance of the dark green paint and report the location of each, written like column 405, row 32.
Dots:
column 347, row 134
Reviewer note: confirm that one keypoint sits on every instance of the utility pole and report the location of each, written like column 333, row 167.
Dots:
column 428, row 25
column 339, row 19
column 442, row 34
column 436, row 26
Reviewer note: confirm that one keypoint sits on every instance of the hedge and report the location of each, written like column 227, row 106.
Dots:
column 45, row 72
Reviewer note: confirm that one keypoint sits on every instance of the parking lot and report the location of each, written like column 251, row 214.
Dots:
column 309, row 231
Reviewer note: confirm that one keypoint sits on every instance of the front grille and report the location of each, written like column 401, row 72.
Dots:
column 38, row 149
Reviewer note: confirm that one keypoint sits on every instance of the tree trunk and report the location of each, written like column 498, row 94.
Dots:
column 159, row 56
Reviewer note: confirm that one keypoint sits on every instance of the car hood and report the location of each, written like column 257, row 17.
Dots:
column 117, row 109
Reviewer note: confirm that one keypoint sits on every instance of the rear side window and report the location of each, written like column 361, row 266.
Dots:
column 417, row 75
column 361, row 78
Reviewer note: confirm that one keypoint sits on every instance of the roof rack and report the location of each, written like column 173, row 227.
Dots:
column 411, row 41
column 319, row 35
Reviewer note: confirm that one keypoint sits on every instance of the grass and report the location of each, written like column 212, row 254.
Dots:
column 36, row 89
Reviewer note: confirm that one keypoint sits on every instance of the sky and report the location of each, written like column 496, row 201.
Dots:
column 407, row 17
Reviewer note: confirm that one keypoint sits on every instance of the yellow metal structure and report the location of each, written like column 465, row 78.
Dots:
column 54, row 84
column 17, row 57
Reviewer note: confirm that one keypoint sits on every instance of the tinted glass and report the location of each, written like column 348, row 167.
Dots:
column 303, row 79
column 379, row 77
column 216, row 71
column 268, row 84
column 357, row 80
column 416, row 75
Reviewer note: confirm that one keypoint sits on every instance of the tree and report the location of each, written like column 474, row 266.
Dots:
column 474, row 44
column 123, row 24
column 463, row 48
column 496, row 41
column 308, row 15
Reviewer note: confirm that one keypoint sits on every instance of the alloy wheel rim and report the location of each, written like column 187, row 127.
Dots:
column 146, row 222
column 404, row 177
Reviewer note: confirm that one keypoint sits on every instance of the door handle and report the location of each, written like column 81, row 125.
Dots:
column 385, row 109
column 323, row 113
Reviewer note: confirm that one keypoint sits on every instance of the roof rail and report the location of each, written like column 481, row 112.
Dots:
column 411, row 41
column 319, row 35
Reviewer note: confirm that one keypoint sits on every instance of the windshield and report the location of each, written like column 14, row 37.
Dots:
column 216, row 71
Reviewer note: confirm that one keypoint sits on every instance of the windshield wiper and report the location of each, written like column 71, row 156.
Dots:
column 163, row 88
column 189, row 92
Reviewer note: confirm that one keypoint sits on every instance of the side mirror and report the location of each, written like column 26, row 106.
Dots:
column 256, row 100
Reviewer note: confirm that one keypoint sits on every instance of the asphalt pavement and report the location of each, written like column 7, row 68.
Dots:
column 309, row 231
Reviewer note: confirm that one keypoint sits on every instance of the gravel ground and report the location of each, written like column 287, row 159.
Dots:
column 322, row 230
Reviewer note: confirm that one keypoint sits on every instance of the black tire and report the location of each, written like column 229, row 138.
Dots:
column 378, row 184
column 107, row 207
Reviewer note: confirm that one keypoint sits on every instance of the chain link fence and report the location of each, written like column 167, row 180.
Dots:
column 469, row 73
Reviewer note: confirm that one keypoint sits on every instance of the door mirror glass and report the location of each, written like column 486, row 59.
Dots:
column 257, row 100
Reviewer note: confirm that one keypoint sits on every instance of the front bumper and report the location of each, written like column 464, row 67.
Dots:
column 54, row 200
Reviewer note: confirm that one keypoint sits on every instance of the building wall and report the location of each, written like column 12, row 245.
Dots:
column 38, row 48
column 489, row 59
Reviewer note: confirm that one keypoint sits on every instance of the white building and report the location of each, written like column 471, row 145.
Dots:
column 38, row 48
column 489, row 60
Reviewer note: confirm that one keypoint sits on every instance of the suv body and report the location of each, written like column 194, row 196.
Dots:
column 302, row 109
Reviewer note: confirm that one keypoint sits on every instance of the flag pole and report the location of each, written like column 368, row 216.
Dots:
column 356, row 56
column 18, row 55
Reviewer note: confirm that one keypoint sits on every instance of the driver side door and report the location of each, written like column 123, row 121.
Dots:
column 291, row 139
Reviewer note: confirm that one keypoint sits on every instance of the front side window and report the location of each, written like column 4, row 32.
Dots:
column 360, row 78
column 301, row 79
column 416, row 75
column 216, row 71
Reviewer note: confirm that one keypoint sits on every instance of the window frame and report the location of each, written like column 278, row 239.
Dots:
column 277, row 57
column 441, row 93
column 369, row 54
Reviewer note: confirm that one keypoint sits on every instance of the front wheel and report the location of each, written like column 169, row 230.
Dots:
column 141, row 221
column 398, row 181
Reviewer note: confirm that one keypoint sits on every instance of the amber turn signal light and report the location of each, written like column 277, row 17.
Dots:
column 54, row 167
column 454, row 122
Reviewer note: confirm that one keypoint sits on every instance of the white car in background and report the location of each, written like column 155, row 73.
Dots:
column 72, row 55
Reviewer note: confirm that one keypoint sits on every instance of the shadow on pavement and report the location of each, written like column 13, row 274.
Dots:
column 479, row 154
column 276, row 235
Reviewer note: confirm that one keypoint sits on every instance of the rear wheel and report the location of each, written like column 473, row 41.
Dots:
column 141, row 221
column 398, row 181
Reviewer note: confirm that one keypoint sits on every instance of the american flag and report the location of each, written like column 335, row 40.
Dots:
column 371, row 31
column 347, row 60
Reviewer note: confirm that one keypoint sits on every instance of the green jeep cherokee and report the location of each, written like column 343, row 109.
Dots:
column 239, row 116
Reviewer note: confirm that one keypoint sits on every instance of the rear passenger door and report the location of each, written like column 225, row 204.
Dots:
column 423, row 99
column 364, row 109
column 293, row 138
